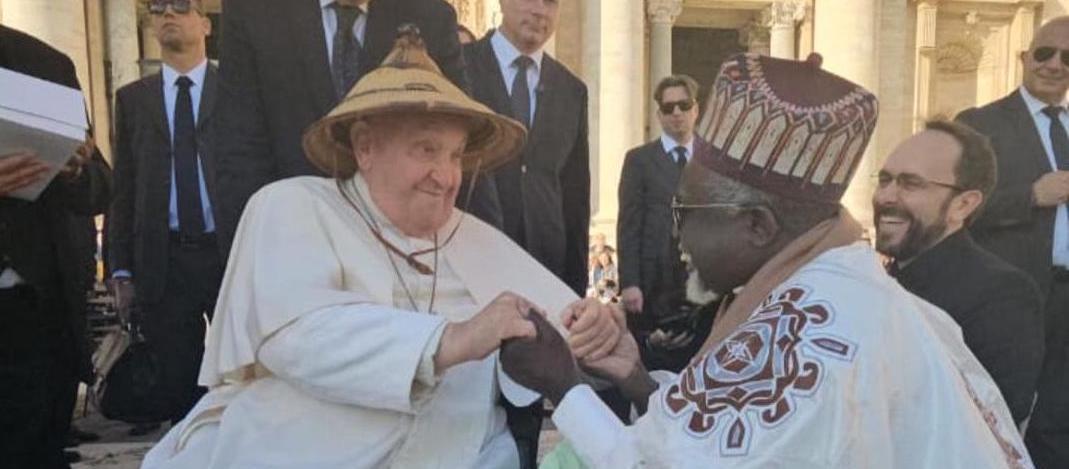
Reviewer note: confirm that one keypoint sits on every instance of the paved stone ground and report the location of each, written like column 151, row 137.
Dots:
column 117, row 450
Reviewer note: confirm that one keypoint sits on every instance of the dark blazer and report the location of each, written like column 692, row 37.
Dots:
column 51, row 241
column 552, row 172
column 275, row 81
column 998, row 307
column 649, row 255
column 1010, row 226
column 138, row 229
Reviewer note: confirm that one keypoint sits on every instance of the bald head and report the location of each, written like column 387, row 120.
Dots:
column 1046, row 75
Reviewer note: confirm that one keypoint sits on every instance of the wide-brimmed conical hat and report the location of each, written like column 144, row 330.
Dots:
column 408, row 81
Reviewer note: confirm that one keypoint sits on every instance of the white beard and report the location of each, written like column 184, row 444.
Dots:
column 697, row 293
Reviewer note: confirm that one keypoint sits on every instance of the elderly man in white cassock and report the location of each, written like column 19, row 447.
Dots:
column 818, row 359
column 360, row 316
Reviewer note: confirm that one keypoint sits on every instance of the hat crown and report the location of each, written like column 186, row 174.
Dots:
column 787, row 127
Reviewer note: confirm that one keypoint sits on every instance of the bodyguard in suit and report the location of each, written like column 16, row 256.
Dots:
column 652, row 275
column 163, row 248
column 285, row 63
column 545, row 193
column 928, row 191
column 1026, row 221
column 46, row 268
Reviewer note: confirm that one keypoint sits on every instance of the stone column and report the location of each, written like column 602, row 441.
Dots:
column 925, row 62
column 662, row 15
column 151, row 53
column 846, row 34
column 612, row 67
column 120, row 18
column 1021, row 31
column 783, row 15
column 805, row 31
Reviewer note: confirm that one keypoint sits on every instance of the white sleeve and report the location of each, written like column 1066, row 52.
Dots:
column 368, row 355
column 600, row 438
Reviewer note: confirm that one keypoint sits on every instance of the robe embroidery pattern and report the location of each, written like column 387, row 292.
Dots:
column 1014, row 459
column 758, row 371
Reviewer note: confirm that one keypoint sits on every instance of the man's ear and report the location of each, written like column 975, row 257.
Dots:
column 762, row 225
column 964, row 205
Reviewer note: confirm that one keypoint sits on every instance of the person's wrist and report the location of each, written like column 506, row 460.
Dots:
column 450, row 347
column 560, row 387
column 637, row 386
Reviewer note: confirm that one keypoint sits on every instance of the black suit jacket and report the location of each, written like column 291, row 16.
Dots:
column 998, row 307
column 649, row 254
column 51, row 241
column 275, row 81
column 138, row 229
column 552, row 173
column 1011, row 226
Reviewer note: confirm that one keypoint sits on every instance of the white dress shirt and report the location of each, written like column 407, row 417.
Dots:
column 170, row 95
column 330, row 26
column 1060, row 253
column 670, row 144
column 506, row 54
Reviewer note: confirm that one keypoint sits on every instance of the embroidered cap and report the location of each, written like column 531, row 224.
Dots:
column 786, row 126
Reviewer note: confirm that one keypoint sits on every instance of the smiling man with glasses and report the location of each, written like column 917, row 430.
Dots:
column 1026, row 221
column 929, row 190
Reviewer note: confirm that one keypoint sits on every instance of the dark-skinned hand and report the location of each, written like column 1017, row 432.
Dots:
column 542, row 363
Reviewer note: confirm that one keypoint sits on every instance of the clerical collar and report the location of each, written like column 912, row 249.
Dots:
column 937, row 260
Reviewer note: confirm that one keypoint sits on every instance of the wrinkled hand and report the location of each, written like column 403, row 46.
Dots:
column 504, row 318
column 542, row 363
column 19, row 170
column 124, row 293
column 622, row 360
column 1051, row 189
column 592, row 328
column 78, row 160
column 631, row 297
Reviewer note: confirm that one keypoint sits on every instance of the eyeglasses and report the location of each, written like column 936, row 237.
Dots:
column 670, row 107
column 679, row 210
column 1044, row 53
column 910, row 182
column 181, row 7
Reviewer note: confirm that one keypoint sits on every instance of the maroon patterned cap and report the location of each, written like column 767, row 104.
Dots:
column 787, row 127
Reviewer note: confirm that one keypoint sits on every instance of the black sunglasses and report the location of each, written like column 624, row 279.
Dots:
column 158, row 7
column 1044, row 53
column 670, row 107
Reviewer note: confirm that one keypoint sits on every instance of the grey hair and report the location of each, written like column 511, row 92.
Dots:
column 795, row 216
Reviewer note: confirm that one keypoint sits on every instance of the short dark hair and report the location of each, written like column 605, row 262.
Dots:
column 976, row 169
column 672, row 81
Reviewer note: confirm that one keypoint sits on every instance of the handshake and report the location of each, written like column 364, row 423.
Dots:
column 598, row 344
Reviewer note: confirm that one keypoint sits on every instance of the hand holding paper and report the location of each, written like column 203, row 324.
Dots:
column 20, row 170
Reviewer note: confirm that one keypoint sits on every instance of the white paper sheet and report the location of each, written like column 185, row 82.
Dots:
column 42, row 117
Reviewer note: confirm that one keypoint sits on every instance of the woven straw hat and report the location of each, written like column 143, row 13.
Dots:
column 408, row 81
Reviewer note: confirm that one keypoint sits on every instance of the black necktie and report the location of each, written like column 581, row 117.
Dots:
column 345, row 53
column 187, row 180
column 680, row 154
column 1059, row 140
column 521, row 91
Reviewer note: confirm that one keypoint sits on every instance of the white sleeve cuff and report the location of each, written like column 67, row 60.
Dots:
column 595, row 433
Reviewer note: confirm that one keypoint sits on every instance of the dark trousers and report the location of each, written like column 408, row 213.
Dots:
column 175, row 325
column 1047, row 436
column 38, row 380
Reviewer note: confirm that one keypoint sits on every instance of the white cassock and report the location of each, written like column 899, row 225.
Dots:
column 315, row 358
column 839, row 368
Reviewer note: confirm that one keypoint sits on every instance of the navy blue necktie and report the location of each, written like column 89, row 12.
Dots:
column 521, row 91
column 1059, row 140
column 186, row 173
column 680, row 153
column 345, row 53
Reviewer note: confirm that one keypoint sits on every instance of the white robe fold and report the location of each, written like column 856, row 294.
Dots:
column 314, row 358
column 839, row 368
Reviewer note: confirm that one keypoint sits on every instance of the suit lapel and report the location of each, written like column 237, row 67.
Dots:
column 498, row 97
column 306, row 29
column 156, row 107
column 545, row 100
column 1026, row 126
column 207, row 97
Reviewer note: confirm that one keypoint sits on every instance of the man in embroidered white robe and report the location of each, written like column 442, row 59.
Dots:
column 358, row 321
column 821, row 360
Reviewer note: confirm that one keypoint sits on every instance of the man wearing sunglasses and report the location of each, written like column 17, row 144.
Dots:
column 163, row 252
column 1026, row 221
column 929, row 190
column 651, row 273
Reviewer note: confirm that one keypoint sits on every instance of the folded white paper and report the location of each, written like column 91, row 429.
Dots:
column 42, row 117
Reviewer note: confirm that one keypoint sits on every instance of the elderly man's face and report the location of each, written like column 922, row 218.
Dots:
column 412, row 165
column 1045, row 74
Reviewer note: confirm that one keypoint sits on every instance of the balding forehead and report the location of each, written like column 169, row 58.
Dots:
column 1053, row 33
